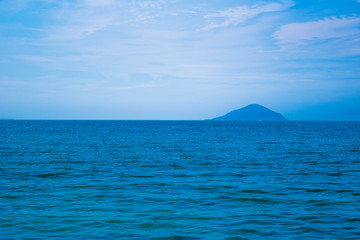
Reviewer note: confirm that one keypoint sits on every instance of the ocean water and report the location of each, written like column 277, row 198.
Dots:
column 179, row 180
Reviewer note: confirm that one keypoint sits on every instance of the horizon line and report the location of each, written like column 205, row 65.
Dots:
column 211, row 120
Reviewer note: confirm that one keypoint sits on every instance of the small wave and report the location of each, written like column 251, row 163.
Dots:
column 316, row 190
column 50, row 175
column 258, row 200
column 306, row 218
column 335, row 174
column 356, row 219
column 320, row 203
column 344, row 191
column 10, row 197
column 93, row 224
column 141, row 176
column 176, row 237
column 309, row 230
column 237, row 238
column 253, row 191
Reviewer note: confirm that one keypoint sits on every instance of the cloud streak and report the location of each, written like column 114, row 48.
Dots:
column 163, row 53
column 295, row 34
column 81, row 19
column 237, row 15
column 40, row 59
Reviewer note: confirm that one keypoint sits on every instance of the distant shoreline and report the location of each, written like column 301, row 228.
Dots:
column 188, row 120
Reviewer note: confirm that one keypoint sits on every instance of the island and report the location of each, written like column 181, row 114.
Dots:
column 252, row 112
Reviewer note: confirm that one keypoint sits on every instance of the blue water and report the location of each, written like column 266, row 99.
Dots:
column 179, row 180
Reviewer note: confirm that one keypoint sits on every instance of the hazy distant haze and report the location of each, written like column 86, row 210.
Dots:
column 115, row 59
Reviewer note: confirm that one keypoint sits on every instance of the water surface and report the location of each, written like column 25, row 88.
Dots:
column 179, row 180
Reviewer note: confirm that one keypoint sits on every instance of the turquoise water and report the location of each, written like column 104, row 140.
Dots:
column 179, row 180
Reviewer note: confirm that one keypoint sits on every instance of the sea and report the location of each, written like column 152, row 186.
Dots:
column 179, row 180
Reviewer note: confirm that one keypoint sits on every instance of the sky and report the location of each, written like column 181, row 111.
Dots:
column 179, row 59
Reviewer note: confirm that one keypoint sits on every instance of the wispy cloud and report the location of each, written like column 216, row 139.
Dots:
column 294, row 34
column 97, row 3
column 150, row 54
column 84, row 18
column 40, row 59
column 237, row 15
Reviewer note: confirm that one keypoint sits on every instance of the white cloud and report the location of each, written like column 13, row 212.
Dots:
column 237, row 15
column 294, row 34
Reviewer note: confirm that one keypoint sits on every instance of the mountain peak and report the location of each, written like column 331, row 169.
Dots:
column 255, row 105
column 252, row 112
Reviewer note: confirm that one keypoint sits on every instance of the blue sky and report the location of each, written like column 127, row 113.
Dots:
column 174, row 59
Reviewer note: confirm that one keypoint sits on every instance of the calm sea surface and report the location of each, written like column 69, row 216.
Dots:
column 179, row 180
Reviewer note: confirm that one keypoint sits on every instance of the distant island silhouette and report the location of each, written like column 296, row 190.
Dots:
column 252, row 112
